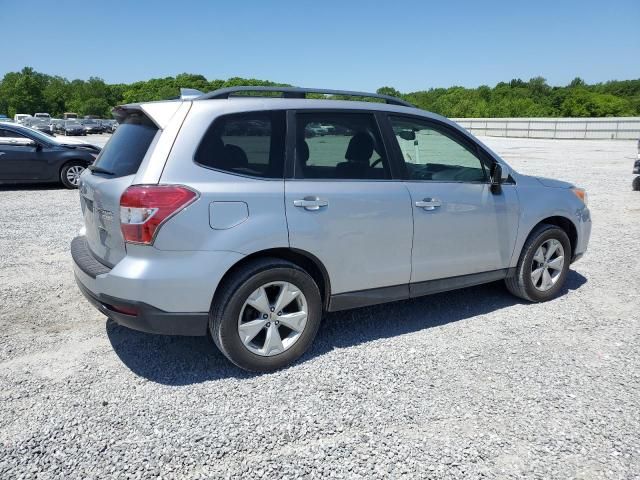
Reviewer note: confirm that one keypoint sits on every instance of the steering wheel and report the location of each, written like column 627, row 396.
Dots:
column 376, row 163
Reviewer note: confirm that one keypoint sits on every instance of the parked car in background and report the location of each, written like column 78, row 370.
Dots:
column 28, row 156
column 55, row 123
column 109, row 125
column 58, row 125
column 316, row 130
column 41, row 124
column 636, row 169
column 21, row 117
column 91, row 125
column 245, row 230
column 4, row 118
column 44, row 116
column 72, row 127
column 69, row 115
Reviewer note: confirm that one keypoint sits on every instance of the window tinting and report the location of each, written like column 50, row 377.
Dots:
column 246, row 144
column 339, row 146
column 432, row 154
column 124, row 152
column 10, row 134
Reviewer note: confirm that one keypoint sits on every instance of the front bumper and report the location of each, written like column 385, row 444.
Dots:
column 150, row 290
column 583, row 225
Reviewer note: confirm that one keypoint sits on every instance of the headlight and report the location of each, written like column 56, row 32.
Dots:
column 581, row 193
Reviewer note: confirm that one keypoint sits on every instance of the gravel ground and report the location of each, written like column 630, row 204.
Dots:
column 465, row 384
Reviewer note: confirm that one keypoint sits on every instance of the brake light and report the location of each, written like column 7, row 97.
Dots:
column 144, row 208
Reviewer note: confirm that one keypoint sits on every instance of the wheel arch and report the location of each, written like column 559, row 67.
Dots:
column 69, row 160
column 564, row 223
column 303, row 259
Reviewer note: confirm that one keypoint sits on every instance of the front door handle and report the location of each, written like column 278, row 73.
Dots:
column 311, row 203
column 428, row 203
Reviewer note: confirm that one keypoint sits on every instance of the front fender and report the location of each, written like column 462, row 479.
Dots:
column 539, row 203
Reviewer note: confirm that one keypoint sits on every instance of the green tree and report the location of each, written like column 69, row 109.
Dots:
column 28, row 91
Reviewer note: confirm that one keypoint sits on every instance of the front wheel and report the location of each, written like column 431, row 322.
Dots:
column 543, row 265
column 70, row 174
column 635, row 185
column 266, row 315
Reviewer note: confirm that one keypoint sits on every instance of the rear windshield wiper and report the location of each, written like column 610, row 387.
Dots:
column 97, row 169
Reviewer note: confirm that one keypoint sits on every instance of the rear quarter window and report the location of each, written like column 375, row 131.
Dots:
column 124, row 152
column 249, row 144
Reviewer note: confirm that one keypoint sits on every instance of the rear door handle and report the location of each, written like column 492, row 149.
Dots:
column 428, row 203
column 311, row 203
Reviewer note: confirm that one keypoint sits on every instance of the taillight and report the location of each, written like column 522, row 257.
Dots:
column 144, row 208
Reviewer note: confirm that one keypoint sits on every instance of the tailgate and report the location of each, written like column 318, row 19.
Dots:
column 112, row 173
column 100, row 203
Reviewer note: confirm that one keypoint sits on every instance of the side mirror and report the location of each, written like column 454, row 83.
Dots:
column 407, row 134
column 496, row 178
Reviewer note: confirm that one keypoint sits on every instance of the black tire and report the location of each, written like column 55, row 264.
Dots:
column 230, row 299
column 64, row 171
column 635, row 185
column 520, row 284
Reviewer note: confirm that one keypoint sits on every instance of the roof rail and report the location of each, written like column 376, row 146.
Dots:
column 295, row 92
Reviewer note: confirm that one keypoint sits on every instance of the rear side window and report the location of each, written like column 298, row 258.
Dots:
column 9, row 134
column 123, row 153
column 245, row 144
column 339, row 145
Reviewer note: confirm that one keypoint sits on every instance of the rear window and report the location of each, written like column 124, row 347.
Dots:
column 123, row 153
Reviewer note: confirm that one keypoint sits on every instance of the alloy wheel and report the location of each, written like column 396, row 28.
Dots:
column 547, row 264
column 73, row 174
column 273, row 318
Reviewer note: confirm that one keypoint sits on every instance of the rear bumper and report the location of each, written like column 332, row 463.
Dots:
column 147, row 318
column 154, row 291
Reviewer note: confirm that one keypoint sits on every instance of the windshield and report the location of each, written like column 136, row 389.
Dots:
column 70, row 123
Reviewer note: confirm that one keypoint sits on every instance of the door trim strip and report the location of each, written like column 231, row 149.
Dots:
column 375, row 296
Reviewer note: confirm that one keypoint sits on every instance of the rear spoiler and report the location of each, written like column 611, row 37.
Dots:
column 159, row 113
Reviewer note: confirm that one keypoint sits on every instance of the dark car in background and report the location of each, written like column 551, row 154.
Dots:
column 91, row 125
column 70, row 127
column 109, row 125
column 635, row 185
column 28, row 156
column 41, row 124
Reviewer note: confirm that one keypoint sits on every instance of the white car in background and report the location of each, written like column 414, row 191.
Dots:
column 21, row 117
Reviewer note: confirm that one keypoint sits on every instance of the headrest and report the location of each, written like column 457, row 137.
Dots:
column 302, row 151
column 360, row 148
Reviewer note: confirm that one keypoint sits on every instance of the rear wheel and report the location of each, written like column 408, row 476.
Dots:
column 70, row 174
column 543, row 265
column 266, row 315
column 636, row 184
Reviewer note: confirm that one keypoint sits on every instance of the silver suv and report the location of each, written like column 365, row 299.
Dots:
column 232, row 216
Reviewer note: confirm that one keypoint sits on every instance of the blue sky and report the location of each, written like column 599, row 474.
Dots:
column 358, row 45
